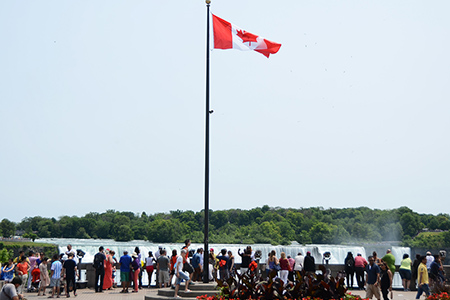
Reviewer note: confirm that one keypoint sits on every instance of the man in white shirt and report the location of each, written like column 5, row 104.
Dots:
column 430, row 259
column 71, row 250
column 180, row 274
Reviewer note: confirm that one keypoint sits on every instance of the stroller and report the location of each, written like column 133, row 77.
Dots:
column 35, row 280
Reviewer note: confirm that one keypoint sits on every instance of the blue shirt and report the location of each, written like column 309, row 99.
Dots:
column 56, row 268
column 125, row 262
column 196, row 260
column 372, row 272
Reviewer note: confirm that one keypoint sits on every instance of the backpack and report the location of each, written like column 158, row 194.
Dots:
column 252, row 266
column 98, row 261
column 350, row 263
column 222, row 263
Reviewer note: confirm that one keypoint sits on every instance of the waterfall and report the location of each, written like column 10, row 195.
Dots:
column 338, row 252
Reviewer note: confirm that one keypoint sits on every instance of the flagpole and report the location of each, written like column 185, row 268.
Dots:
column 206, row 232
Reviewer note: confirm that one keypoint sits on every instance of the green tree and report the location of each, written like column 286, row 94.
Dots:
column 166, row 231
column 124, row 233
column 411, row 223
column 5, row 255
column 30, row 235
column 7, row 228
column 322, row 233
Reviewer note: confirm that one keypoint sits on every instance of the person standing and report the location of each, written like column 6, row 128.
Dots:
column 125, row 267
column 173, row 262
column 149, row 267
column 71, row 250
column 385, row 281
column 45, row 280
column 414, row 269
column 20, row 257
column 436, row 271
column 195, row 261
column 135, row 270
column 430, row 259
column 223, row 265
column 422, row 278
column 245, row 260
column 291, row 265
column 360, row 264
column 389, row 259
column 372, row 279
column 99, row 266
column 55, row 276
column 70, row 271
column 349, row 263
column 405, row 271
column 109, row 263
column 138, row 252
column 284, row 268
column 163, row 269
column 299, row 260
column 8, row 271
column 231, row 266
column 309, row 264
column 376, row 258
column 22, row 270
column 32, row 259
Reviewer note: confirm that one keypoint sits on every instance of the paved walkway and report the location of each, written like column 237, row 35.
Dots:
column 91, row 295
column 398, row 295
column 115, row 294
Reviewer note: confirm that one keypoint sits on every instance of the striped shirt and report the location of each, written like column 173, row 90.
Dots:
column 56, row 268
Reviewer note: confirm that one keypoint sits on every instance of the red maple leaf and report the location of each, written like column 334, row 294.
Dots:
column 246, row 36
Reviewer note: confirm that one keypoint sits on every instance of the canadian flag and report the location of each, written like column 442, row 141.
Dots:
column 229, row 36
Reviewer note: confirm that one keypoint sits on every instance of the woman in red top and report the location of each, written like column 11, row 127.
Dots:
column 22, row 269
column 108, row 263
column 173, row 261
column 285, row 267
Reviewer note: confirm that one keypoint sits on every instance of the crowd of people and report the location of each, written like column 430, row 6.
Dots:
column 376, row 275
column 33, row 274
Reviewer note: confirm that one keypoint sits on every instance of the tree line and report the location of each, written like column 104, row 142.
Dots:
column 264, row 224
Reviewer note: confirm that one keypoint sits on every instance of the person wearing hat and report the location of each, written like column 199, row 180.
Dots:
column 125, row 267
column 9, row 290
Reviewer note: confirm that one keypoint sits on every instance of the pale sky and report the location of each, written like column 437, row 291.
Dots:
column 102, row 106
